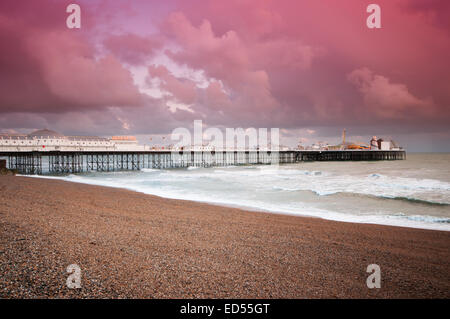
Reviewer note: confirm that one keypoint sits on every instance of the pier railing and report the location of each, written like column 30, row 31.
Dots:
column 63, row 162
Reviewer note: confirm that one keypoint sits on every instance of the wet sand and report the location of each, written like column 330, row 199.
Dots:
column 132, row 245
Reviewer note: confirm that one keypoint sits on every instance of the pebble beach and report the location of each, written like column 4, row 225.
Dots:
column 132, row 245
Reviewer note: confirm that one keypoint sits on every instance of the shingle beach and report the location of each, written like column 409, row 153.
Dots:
column 132, row 245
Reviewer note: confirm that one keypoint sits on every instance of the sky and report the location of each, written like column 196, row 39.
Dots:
column 310, row 68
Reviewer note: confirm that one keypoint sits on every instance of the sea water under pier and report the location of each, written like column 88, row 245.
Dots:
column 64, row 162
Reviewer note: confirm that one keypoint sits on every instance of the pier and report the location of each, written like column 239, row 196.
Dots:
column 65, row 162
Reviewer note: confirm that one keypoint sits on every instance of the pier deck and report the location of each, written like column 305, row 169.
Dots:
column 63, row 162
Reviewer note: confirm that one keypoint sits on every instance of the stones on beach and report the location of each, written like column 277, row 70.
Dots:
column 130, row 245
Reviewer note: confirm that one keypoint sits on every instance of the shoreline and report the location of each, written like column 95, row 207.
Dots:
column 134, row 245
column 381, row 220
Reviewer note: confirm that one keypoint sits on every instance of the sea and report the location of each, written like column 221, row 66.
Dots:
column 411, row 193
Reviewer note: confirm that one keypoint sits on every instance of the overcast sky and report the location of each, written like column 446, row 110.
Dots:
column 310, row 68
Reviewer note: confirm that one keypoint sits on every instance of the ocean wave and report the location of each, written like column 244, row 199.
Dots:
column 149, row 170
column 415, row 200
column 408, row 183
column 411, row 200
column 422, row 218
column 287, row 189
column 399, row 188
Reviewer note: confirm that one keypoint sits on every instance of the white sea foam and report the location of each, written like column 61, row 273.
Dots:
column 148, row 170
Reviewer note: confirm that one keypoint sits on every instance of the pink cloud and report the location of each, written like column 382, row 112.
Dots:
column 183, row 90
column 386, row 99
column 132, row 48
column 227, row 58
column 46, row 69
column 220, row 56
column 72, row 73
